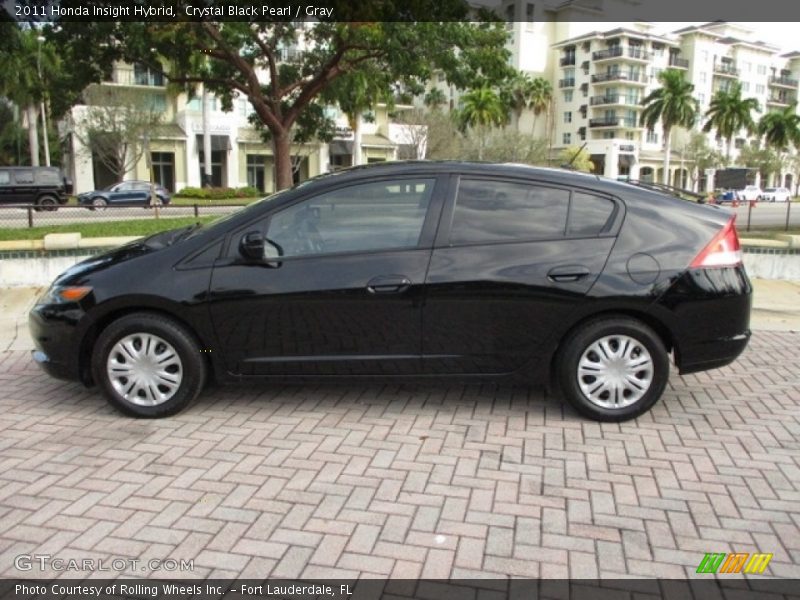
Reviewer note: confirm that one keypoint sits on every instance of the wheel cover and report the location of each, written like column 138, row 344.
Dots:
column 615, row 371
column 144, row 369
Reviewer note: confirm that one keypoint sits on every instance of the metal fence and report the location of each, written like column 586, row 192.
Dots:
column 759, row 215
column 27, row 216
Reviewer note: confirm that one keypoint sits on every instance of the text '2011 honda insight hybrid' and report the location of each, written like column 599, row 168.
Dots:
column 411, row 270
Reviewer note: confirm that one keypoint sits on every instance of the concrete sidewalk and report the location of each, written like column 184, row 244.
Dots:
column 776, row 307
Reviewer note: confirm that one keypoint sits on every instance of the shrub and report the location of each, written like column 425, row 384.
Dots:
column 218, row 193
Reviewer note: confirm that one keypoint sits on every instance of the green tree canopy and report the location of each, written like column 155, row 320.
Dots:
column 302, row 62
column 781, row 128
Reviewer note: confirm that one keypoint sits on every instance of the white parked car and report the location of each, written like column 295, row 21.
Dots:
column 750, row 193
column 777, row 195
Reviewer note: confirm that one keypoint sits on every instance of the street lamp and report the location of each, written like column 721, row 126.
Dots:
column 41, row 39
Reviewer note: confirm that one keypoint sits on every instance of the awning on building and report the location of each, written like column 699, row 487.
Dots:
column 340, row 148
column 218, row 142
column 168, row 131
column 376, row 141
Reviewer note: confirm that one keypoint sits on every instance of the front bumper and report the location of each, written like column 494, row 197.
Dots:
column 57, row 345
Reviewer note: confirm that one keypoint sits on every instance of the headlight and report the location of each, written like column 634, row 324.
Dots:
column 64, row 294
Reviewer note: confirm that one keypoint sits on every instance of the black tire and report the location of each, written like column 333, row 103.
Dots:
column 581, row 340
column 192, row 367
column 47, row 203
column 99, row 203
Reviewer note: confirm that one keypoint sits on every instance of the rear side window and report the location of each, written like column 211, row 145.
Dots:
column 589, row 214
column 23, row 176
column 501, row 211
column 5, row 178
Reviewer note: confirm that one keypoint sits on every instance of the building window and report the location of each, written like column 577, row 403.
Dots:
column 529, row 10
column 219, row 162
column 652, row 137
column 761, row 69
column 510, row 14
column 760, row 88
column 739, row 143
column 255, row 171
column 628, row 135
column 609, row 135
column 566, row 138
column 568, row 117
column 163, row 166
column 703, row 76
column 745, row 86
column 704, row 55
column 701, row 98
column 143, row 75
column 747, row 67
column 568, row 96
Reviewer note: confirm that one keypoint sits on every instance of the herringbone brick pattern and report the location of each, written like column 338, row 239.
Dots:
column 431, row 480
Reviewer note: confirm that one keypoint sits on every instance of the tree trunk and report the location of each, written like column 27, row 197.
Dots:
column 33, row 135
column 667, row 148
column 730, row 149
column 357, row 153
column 282, row 149
column 205, row 180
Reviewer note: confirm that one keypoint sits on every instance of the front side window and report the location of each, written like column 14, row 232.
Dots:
column 373, row 216
column 500, row 211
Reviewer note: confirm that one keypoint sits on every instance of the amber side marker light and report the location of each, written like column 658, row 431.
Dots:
column 73, row 294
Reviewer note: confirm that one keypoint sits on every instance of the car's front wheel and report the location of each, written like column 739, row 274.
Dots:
column 148, row 365
column 613, row 369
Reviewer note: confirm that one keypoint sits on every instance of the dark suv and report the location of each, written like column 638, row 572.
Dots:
column 45, row 187
column 412, row 270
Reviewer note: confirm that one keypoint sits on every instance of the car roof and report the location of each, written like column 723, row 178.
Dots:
column 546, row 174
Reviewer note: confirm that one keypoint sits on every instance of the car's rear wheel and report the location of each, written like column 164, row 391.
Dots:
column 613, row 369
column 48, row 203
column 148, row 365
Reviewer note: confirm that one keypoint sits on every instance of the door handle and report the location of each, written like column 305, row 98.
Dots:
column 568, row 274
column 388, row 284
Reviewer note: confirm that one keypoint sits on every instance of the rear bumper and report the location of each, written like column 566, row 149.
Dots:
column 708, row 314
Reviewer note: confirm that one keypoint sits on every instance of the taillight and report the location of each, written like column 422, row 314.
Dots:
column 722, row 251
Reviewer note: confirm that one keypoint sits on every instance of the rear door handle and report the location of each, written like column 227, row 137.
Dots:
column 568, row 274
column 388, row 284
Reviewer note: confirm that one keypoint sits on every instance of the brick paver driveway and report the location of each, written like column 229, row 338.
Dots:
column 416, row 480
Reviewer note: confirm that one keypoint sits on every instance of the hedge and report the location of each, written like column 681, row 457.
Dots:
column 217, row 193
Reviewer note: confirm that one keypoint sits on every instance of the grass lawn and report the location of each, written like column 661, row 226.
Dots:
column 104, row 229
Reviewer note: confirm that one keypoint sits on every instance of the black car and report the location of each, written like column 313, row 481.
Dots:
column 124, row 193
column 411, row 270
column 45, row 187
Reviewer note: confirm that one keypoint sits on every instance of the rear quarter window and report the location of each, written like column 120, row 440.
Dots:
column 5, row 178
column 48, row 177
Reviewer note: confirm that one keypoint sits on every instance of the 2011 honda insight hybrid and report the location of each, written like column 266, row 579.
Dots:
column 412, row 270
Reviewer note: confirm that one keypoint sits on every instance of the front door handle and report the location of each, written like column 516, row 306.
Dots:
column 388, row 284
column 568, row 274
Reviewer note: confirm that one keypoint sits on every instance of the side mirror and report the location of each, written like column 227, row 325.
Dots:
column 252, row 245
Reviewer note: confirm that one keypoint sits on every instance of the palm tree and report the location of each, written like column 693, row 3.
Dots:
column 729, row 112
column 673, row 105
column 781, row 129
column 516, row 94
column 540, row 98
column 481, row 109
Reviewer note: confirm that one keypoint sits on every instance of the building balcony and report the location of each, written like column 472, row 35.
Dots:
column 567, row 61
column 783, row 81
column 615, row 100
column 726, row 70
column 780, row 100
column 617, row 122
column 619, row 76
column 678, row 63
column 566, row 83
column 623, row 53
